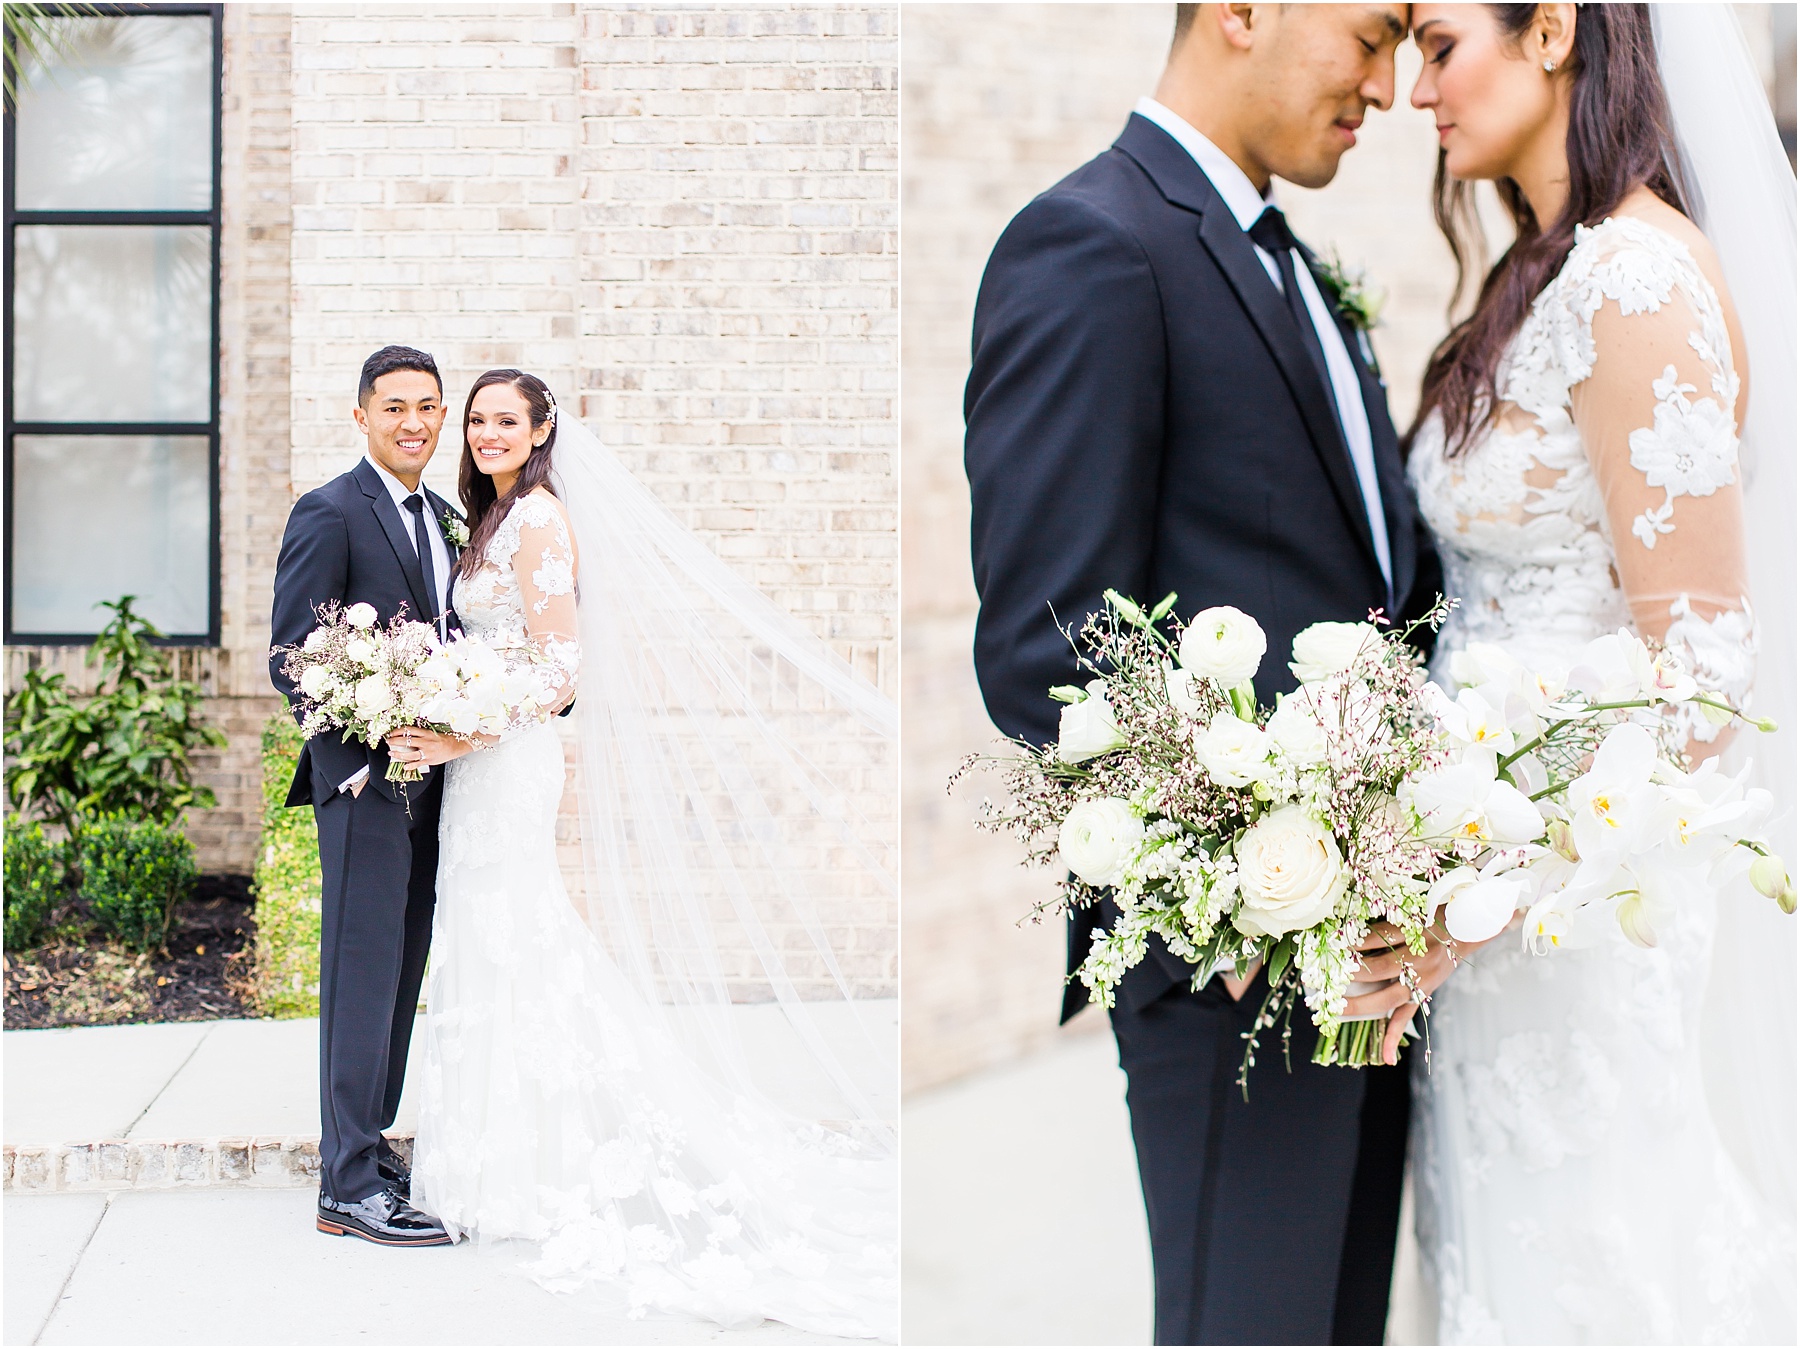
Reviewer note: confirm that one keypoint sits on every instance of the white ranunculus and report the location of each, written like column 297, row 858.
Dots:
column 360, row 615
column 1087, row 728
column 315, row 639
column 1097, row 838
column 1223, row 643
column 1326, row 649
column 1297, row 725
column 314, row 681
column 1290, row 874
column 1181, row 691
column 373, row 695
column 362, row 651
column 1234, row 752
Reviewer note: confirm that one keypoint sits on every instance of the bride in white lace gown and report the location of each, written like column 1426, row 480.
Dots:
column 1571, row 1184
column 556, row 1108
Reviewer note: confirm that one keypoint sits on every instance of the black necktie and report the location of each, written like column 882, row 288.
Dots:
column 416, row 504
column 1271, row 234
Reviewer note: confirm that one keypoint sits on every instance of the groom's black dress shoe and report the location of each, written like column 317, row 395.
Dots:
column 394, row 1172
column 383, row 1218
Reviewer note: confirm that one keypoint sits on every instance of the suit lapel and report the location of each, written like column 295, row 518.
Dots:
column 1181, row 181
column 404, row 552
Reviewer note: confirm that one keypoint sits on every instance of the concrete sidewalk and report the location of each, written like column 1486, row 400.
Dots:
column 184, row 1103
column 242, row 1267
column 160, row 1189
column 237, row 1102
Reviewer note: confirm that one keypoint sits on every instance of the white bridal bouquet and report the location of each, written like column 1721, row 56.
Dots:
column 1240, row 834
column 369, row 681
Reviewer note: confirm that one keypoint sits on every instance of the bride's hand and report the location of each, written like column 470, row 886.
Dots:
column 1400, row 998
column 420, row 748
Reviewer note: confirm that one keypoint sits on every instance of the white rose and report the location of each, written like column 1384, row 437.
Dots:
column 360, row 615
column 1087, row 728
column 373, row 696
column 314, row 681
column 1234, row 752
column 1098, row 838
column 1223, row 643
column 1326, row 649
column 1297, row 728
column 1290, row 874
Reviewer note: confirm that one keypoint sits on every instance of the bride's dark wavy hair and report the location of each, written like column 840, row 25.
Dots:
column 1620, row 139
column 484, row 507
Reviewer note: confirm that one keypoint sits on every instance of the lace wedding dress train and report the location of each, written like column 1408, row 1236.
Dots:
column 1570, row 1183
column 555, row 1108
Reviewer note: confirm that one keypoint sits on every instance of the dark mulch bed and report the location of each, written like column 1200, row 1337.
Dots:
column 201, row 974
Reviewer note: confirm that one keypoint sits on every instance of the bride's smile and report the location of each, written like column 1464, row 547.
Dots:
column 501, row 436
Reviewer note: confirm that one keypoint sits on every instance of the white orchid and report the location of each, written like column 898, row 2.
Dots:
column 1478, row 904
column 1469, row 807
column 1613, row 807
column 1471, row 719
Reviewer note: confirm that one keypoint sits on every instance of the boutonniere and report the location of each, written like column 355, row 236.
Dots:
column 456, row 530
column 1350, row 292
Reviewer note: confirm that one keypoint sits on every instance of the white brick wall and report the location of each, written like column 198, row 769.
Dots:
column 686, row 215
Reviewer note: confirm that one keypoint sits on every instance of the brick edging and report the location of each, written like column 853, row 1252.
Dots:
column 189, row 1163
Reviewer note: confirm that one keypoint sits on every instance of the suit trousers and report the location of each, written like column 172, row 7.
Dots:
column 1272, row 1220
column 379, row 869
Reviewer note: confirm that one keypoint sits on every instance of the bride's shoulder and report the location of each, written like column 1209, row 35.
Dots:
column 539, row 508
column 1639, row 255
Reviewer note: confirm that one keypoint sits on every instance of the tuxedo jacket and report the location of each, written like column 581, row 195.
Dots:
column 1142, row 416
column 345, row 541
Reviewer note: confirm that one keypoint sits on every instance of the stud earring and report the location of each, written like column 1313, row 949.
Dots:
column 1549, row 66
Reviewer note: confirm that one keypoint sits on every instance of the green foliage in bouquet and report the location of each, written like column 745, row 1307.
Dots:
column 37, row 883
column 133, row 874
column 124, row 751
column 287, row 885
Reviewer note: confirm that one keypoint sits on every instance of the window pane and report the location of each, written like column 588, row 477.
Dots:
column 120, row 119
column 97, row 517
column 112, row 323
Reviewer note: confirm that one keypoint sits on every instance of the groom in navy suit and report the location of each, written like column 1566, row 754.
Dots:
column 1165, row 397
column 373, row 535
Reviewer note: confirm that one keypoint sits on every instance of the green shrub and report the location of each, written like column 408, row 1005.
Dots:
column 37, row 882
column 133, row 873
column 123, row 751
column 287, row 887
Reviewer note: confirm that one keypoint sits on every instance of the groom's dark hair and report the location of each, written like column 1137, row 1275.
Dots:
column 1184, row 20
column 390, row 359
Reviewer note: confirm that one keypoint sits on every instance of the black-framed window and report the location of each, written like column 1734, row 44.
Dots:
column 112, row 218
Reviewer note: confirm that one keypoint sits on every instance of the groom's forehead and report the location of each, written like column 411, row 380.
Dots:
column 405, row 386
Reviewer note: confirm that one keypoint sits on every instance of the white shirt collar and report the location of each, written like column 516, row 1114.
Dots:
column 1231, row 183
column 398, row 490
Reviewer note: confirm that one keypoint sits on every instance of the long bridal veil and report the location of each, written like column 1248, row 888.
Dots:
column 738, row 820
column 1742, row 190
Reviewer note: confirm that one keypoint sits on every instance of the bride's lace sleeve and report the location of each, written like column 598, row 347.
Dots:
column 1657, row 417
column 544, row 566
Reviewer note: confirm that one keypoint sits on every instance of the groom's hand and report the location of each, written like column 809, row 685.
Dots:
column 1407, row 980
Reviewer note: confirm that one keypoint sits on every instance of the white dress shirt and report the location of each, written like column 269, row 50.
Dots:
column 440, row 559
column 1245, row 204
column 434, row 533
